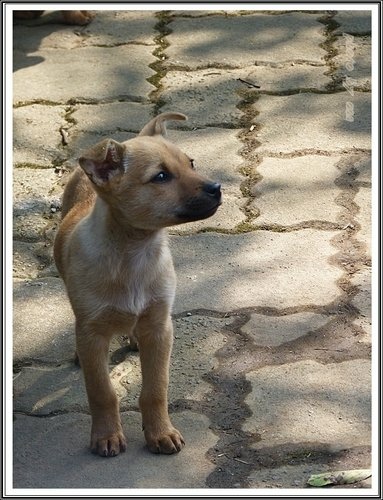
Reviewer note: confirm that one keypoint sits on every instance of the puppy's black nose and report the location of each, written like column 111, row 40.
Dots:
column 212, row 188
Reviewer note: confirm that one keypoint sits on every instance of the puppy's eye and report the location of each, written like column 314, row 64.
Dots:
column 192, row 163
column 162, row 177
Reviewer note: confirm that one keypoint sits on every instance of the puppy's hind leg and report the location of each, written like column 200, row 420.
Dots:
column 107, row 438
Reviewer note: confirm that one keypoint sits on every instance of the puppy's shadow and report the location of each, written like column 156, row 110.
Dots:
column 119, row 355
column 24, row 61
column 116, row 357
column 28, row 35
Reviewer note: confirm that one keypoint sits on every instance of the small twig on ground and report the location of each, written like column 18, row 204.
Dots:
column 249, row 83
column 242, row 461
column 323, row 349
column 234, row 458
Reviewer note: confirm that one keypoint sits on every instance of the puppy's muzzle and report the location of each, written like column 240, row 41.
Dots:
column 202, row 206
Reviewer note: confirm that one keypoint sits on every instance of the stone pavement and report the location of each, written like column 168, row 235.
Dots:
column 270, row 374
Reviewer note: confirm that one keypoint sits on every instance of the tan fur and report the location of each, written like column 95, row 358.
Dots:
column 79, row 17
column 112, row 252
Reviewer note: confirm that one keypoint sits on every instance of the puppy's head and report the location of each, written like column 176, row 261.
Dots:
column 148, row 182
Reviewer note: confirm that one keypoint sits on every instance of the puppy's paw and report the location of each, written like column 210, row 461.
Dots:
column 108, row 446
column 79, row 17
column 167, row 442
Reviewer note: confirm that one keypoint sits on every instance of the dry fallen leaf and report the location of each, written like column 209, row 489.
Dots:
column 339, row 477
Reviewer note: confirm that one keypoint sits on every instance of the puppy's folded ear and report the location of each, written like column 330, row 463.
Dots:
column 157, row 125
column 103, row 161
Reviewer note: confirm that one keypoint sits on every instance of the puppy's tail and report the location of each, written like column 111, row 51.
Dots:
column 157, row 125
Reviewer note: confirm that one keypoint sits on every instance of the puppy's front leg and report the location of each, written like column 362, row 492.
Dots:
column 107, row 438
column 155, row 337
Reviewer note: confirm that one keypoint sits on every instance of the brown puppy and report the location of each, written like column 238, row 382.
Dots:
column 80, row 17
column 112, row 252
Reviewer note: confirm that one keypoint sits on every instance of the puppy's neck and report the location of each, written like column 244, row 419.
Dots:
column 114, row 227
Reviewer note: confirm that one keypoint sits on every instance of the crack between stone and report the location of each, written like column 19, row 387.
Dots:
column 18, row 365
column 310, row 90
column 87, row 101
column 163, row 29
column 252, row 226
column 313, row 151
column 52, row 414
column 119, row 44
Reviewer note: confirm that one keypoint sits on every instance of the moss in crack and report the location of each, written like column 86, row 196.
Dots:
column 248, row 98
column 162, row 27
column 331, row 52
column 69, row 116
column 41, row 102
column 244, row 227
column 32, row 166
column 252, row 176
column 213, row 230
column 252, row 160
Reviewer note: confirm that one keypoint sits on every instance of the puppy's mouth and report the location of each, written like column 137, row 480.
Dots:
column 195, row 211
column 193, row 215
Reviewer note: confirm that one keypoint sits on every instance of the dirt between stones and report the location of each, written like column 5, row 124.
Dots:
column 288, row 465
column 284, row 466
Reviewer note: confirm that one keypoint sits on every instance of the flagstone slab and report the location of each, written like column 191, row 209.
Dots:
column 97, row 74
column 65, row 439
column 309, row 402
column 208, row 41
column 293, row 190
column 258, row 269
column 316, row 122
